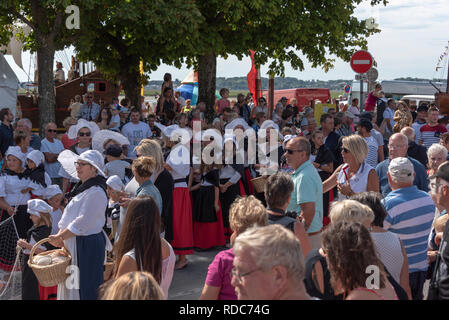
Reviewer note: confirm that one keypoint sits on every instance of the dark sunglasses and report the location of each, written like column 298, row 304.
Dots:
column 51, row 130
column 82, row 134
column 345, row 150
column 290, row 151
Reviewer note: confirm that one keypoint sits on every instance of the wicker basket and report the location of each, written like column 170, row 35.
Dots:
column 53, row 274
column 259, row 183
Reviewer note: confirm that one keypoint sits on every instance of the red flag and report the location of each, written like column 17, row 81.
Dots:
column 252, row 79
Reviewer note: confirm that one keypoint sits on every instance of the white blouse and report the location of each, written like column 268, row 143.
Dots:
column 228, row 172
column 11, row 187
column 85, row 213
column 179, row 161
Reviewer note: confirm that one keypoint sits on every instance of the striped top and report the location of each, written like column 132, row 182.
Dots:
column 410, row 216
column 430, row 135
column 373, row 147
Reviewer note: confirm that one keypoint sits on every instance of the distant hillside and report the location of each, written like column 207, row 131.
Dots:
column 240, row 83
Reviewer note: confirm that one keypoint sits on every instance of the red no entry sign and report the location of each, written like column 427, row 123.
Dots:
column 361, row 61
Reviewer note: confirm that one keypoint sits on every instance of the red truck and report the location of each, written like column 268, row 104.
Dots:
column 303, row 96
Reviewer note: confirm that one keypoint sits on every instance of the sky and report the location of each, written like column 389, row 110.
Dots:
column 414, row 35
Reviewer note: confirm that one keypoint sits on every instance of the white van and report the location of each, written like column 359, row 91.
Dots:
column 418, row 99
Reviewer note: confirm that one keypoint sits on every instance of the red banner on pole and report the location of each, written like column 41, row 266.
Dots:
column 252, row 79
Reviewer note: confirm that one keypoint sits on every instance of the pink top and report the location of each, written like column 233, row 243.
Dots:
column 219, row 274
column 371, row 102
column 222, row 104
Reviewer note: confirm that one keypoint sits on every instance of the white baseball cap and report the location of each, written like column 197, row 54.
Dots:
column 401, row 169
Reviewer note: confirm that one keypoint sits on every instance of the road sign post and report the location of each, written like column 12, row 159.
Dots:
column 361, row 62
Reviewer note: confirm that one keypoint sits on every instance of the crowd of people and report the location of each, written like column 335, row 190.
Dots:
column 356, row 191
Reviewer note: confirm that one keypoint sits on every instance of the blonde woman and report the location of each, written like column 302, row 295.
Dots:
column 132, row 286
column 244, row 213
column 354, row 175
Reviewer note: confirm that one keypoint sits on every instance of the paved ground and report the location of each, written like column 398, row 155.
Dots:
column 188, row 283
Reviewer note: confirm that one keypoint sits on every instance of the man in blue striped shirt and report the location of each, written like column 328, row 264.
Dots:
column 410, row 216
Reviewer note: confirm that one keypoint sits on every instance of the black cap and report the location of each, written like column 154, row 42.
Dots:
column 365, row 123
column 366, row 115
column 114, row 150
column 422, row 108
column 442, row 172
column 284, row 98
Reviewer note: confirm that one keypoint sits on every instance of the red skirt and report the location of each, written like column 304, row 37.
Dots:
column 248, row 180
column 48, row 293
column 207, row 235
column 242, row 189
column 182, row 222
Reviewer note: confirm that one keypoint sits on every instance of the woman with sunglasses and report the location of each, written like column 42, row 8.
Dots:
column 354, row 175
column 83, row 132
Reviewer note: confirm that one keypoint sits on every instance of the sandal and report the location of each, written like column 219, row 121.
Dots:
column 182, row 266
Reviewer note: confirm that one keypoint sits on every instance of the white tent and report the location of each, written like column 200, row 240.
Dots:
column 8, row 86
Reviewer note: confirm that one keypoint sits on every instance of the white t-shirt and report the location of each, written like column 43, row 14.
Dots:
column 135, row 133
column 55, row 147
column 389, row 114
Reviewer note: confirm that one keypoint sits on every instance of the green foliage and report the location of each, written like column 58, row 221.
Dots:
column 45, row 17
column 116, row 35
column 277, row 29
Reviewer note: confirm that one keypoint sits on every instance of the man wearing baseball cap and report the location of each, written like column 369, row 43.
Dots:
column 410, row 214
column 439, row 284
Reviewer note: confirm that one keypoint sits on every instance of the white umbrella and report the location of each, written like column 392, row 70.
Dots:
column 101, row 136
column 67, row 160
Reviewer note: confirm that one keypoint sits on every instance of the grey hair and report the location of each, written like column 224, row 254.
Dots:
column 437, row 149
column 26, row 122
column 271, row 246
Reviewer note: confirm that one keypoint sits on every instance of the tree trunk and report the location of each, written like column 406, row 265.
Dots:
column 46, row 101
column 207, row 76
column 130, row 80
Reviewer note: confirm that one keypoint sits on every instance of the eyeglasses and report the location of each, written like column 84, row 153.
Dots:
column 395, row 146
column 291, row 151
column 51, row 130
column 82, row 134
column 80, row 164
column 345, row 150
column 239, row 276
